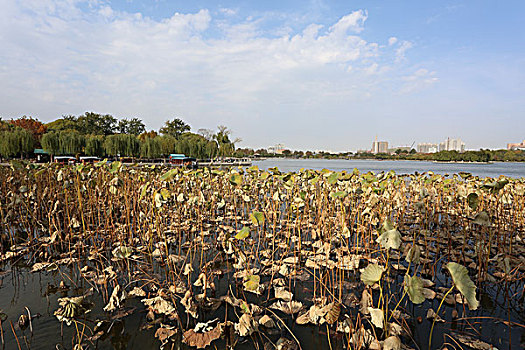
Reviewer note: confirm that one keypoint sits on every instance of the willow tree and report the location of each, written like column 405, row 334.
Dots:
column 122, row 145
column 168, row 145
column 150, row 147
column 94, row 145
column 67, row 142
column 16, row 142
column 225, row 146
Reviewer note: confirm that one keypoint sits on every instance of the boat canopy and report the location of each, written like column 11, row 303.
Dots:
column 177, row 156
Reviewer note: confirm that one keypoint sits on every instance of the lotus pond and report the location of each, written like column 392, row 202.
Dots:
column 116, row 257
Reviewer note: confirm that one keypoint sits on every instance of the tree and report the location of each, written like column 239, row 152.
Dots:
column 150, row 148
column 133, row 126
column 16, row 142
column 147, row 134
column 206, row 133
column 94, row 146
column 168, row 145
column 64, row 123
column 96, row 124
column 175, row 128
column 35, row 127
column 225, row 146
column 122, row 145
column 193, row 145
column 66, row 142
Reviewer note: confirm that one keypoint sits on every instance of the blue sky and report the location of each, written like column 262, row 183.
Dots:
column 313, row 75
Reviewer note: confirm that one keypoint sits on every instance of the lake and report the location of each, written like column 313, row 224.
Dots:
column 510, row 169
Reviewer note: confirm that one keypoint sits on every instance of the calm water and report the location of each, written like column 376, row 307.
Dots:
column 516, row 170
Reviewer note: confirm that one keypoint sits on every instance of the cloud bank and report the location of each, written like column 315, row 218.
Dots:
column 208, row 67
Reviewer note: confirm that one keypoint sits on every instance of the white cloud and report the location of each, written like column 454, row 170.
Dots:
column 402, row 49
column 59, row 59
column 392, row 40
column 419, row 80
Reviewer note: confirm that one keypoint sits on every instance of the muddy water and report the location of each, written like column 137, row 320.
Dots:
column 38, row 291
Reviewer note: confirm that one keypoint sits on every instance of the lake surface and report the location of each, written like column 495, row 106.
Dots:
column 510, row 169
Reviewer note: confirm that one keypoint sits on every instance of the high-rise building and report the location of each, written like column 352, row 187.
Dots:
column 379, row 146
column 277, row 149
column 514, row 146
column 452, row 145
column 427, row 148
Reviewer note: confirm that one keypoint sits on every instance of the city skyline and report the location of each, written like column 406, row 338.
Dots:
column 316, row 75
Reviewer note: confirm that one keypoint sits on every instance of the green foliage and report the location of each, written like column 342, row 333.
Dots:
column 122, row 145
column 96, row 124
column 87, row 124
column 65, row 142
column 16, row 142
column 175, row 128
column 94, row 146
column 225, row 146
column 194, row 145
column 463, row 283
column 243, row 233
column 168, row 145
column 372, row 274
column 151, row 148
column 133, row 126
column 414, row 288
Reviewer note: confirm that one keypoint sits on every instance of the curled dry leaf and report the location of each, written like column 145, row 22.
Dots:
column 377, row 316
column 189, row 304
column 334, row 309
column 267, row 321
column 473, row 342
column 283, row 294
column 392, row 343
column 246, row 326
column 291, row 307
column 115, row 300
column 159, row 305
column 203, row 334
column 164, row 333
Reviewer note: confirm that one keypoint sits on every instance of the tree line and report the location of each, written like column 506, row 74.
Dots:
column 102, row 135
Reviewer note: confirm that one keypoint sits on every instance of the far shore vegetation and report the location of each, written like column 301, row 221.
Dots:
column 102, row 135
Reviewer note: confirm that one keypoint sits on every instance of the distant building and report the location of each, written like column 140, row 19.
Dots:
column 515, row 146
column 379, row 146
column 277, row 149
column 452, row 145
column 427, row 148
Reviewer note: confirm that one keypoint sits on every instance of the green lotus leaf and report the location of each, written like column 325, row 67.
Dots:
column 168, row 175
column 257, row 218
column 338, row 194
column 413, row 255
column 115, row 166
column 463, row 283
column 372, row 274
column 251, row 283
column 473, row 200
column 332, row 179
column 414, row 288
column 235, row 179
column 482, row 218
column 122, row 252
column 243, row 233
column 390, row 237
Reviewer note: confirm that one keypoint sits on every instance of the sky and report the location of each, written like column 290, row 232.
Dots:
column 313, row 75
